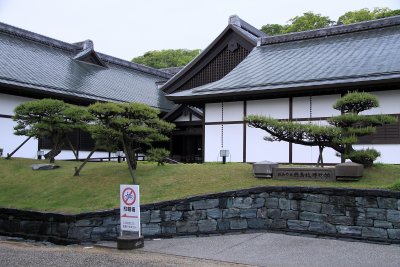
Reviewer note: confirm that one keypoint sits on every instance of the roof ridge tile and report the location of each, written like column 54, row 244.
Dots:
column 329, row 31
column 77, row 47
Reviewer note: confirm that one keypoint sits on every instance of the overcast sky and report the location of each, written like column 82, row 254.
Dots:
column 128, row 28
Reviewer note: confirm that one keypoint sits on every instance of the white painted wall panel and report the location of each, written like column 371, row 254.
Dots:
column 389, row 103
column 233, row 111
column 9, row 141
column 213, row 112
column 257, row 149
column 301, row 107
column 194, row 118
column 389, row 153
column 276, row 108
column 9, row 102
column 67, row 154
column 183, row 118
column 321, row 106
column 307, row 154
column 233, row 141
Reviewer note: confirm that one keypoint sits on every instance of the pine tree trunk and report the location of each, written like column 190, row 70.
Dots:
column 72, row 148
column 58, row 143
column 131, row 160
column 78, row 170
column 321, row 159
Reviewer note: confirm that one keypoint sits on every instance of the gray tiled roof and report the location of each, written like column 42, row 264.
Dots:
column 314, row 58
column 43, row 64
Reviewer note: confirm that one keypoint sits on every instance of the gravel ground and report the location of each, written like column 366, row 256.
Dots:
column 46, row 254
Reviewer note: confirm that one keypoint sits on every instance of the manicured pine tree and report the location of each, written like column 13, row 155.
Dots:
column 136, row 125
column 342, row 133
column 49, row 118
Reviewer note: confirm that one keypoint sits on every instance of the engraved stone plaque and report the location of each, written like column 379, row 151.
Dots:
column 304, row 173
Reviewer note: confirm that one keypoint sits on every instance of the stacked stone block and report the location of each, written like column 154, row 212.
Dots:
column 361, row 214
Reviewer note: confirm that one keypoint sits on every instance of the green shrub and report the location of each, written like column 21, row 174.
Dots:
column 365, row 156
column 158, row 155
column 395, row 186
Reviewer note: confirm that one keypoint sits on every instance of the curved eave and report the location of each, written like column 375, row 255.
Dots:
column 252, row 93
column 37, row 90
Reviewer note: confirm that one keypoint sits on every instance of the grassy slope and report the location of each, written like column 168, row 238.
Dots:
column 98, row 186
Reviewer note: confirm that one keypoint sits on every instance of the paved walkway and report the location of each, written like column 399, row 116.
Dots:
column 256, row 249
column 269, row 249
column 27, row 254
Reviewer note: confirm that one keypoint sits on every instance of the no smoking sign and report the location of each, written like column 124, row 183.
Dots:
column 129, row 208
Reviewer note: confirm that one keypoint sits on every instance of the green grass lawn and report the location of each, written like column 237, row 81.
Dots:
column 98, row 186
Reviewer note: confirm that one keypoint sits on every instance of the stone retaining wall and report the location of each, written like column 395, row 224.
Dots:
column 356, row 213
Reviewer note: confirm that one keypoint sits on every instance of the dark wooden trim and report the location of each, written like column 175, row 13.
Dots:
column 224, row 122
column 39, row 145
column 310, row 119
column 78, row 147
column 240, row 95
column 325, row 118
column 183, row 133
column 342, row 158
column 244, row 131
column 6, row 116
column 188, row 123
column 177, row 112
column 203, row 145
column 290, row 118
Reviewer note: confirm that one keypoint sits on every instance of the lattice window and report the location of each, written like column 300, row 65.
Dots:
column 80, row 140
column 387, row 134
column 221, row 65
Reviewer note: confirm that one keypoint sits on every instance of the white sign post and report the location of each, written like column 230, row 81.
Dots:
column 129, row 208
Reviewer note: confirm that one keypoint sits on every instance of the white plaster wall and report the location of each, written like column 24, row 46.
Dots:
column 321, row 106
column 257, row 149
column 9, row 142
column 67, row 154
column 9, row 102
column 183, row 118
column 233, row 141
column 389, row 153
column 213, row 112
column 389, row 103
column 233, row 111
column 275, row 108
column 307, row 154
column 194, row 118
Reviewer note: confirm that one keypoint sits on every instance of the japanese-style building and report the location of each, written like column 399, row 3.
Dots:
column 33, row 66
column 299, row 76
column 295, row 76
column 229, row 49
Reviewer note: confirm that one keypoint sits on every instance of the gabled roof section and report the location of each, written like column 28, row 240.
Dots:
column 88, row 54
column 246, row 28
column 179, row 109
column 44, row 66
column 172, row 70
column 247, row 32
column 361, row 54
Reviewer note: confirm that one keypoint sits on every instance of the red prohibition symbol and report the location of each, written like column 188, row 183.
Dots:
column 129, row 196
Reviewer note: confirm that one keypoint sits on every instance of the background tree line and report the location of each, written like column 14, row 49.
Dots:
column 308, row 21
